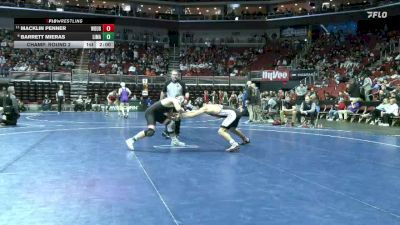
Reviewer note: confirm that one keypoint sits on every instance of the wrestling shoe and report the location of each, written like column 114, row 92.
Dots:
column 245, row 142
column 234, row 148
column 177, row 143
column 130, row 143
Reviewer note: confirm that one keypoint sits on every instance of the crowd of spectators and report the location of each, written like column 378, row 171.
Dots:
column 36, row 60
column 190, row 38
column 217, row 60
column 127, row 59
column 305, row 104
column 357, row 73
column 342, row 56
column 359, row 79
column 130, row 59
column 124, row 59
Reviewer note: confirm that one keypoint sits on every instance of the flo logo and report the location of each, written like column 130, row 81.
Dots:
column 377, row 14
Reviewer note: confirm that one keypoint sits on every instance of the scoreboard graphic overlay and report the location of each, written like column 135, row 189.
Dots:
column 87, row 33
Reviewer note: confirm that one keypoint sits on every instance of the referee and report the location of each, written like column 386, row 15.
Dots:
column 174, row 88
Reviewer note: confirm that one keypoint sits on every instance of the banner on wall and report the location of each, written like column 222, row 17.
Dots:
column 302, row 73
column 294, row 32
column 275, row 75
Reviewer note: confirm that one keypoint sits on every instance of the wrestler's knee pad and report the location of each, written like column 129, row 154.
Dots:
column 149, row 132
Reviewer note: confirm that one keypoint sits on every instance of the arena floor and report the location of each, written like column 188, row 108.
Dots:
column 74, row 168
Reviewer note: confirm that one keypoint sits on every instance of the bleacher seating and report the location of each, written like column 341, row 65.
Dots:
column 33, row 92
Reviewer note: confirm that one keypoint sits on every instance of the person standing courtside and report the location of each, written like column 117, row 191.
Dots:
column 60, row 98
column 256, row 101
column 250, row 101
column 301, row 92
column 172, row 89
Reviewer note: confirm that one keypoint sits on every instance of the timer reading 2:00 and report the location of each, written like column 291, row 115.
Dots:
column 105, row 44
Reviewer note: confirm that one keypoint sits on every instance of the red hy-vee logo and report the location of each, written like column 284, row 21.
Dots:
column 275, row 75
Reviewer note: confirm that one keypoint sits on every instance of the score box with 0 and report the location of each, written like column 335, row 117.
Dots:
column 108, row 27
column 108, row 37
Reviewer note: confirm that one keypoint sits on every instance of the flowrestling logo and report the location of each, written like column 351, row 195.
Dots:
column 377, row 15
column 275, row 75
